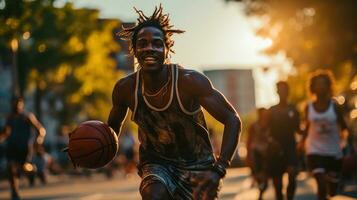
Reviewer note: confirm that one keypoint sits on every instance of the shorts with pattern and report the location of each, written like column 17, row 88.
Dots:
column 176, row 180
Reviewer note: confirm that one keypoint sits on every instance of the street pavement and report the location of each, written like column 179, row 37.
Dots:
column 237, row 186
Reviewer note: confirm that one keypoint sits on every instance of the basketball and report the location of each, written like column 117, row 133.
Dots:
column 92, row 145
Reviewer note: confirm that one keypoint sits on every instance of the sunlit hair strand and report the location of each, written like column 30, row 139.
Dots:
column 158, row 20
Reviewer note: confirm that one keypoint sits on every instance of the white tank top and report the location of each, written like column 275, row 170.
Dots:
column 324, row 134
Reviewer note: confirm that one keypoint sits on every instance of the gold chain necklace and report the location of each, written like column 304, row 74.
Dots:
column 164, row 87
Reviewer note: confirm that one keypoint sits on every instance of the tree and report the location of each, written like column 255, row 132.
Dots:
column 97, row 76
column 63, row 52
column 312, row 33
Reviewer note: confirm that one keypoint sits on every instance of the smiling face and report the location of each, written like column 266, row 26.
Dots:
column 150, row 48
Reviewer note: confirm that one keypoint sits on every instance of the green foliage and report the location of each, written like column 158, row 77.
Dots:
column 97, row 75
column 313, row 34
column 64, row 53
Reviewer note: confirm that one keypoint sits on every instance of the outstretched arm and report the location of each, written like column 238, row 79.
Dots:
column 120, row 107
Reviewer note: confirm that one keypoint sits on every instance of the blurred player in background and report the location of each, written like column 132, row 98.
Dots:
column 17, row 133
column 284, row 122
column 325, row 124
column 257, row 146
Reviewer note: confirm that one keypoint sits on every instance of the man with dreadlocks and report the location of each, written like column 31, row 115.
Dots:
column 175, row 156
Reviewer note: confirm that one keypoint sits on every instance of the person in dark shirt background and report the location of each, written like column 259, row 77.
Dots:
column 284, row 123
column 17, row 135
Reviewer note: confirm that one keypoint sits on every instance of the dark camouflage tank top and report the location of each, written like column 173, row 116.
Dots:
column 171, row 134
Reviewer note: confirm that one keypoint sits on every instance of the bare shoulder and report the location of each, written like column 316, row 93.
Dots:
column 194, row 81
column 124, row 89
column 126, row 83
column 191, row 75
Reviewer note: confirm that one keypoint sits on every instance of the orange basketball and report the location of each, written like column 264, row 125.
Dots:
column 92, row 144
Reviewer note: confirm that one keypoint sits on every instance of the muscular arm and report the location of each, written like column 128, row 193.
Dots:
column 220, row 109
column 218, row 106
column 120, row 106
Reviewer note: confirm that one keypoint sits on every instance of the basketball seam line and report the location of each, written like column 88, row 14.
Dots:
column 114, row 150
column 100, row 130
column 108, row 129
column 102, row 147
column 86, row 139
column 107, row 139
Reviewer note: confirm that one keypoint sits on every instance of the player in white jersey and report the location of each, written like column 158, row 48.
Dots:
column 322, row 145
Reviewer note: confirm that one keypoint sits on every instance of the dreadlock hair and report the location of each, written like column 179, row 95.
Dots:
column 157, row 20
column 323, row 74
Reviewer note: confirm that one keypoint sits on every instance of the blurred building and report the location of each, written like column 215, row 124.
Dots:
column 237, row 85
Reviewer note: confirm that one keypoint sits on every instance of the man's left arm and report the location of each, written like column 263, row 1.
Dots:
column 41, row 131
column 218, row 106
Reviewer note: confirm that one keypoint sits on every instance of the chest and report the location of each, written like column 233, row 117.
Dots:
column 175, row 92
column 283, row 115
column 323, row 118
column 326, row 116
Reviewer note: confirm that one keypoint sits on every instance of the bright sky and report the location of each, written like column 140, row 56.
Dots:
column 218, row 35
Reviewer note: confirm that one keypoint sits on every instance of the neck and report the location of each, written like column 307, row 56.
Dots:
column 322, row 99
column 154, row 79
